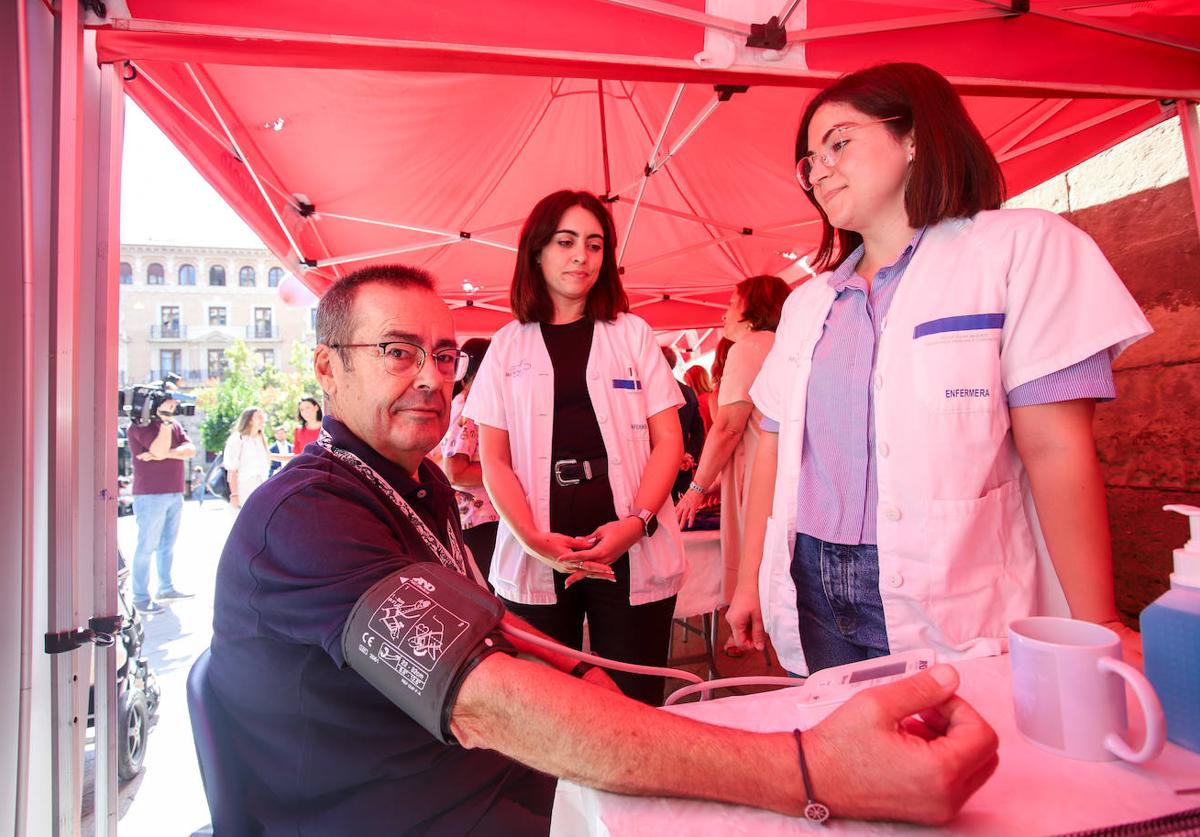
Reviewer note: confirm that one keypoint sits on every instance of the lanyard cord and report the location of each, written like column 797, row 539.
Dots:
column 453, row 561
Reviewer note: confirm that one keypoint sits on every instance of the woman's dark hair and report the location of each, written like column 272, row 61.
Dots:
column 529, row 299
column 764, row 296
column 722, row 353
column 953, row 174
column 476, row 347
column 314, row 402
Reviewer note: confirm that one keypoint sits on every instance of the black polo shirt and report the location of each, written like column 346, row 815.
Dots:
column 323, row 751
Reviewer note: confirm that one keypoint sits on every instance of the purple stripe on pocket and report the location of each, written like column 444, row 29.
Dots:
column 965, row 322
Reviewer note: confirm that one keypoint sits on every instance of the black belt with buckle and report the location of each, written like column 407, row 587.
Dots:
column 575, row 471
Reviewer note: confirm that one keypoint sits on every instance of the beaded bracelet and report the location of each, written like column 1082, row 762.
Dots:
column 813, row 811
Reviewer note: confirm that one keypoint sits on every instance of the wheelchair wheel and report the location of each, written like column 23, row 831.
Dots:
column 133, row 729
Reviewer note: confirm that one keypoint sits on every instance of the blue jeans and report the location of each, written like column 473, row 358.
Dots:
column 839, row 608
column 157, row 518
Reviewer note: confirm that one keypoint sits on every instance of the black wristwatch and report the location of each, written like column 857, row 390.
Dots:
column 649, row 520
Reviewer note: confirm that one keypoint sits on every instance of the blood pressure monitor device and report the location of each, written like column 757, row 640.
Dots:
column 838, row 685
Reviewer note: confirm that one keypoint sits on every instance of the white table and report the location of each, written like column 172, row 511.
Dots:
column 1032, row 791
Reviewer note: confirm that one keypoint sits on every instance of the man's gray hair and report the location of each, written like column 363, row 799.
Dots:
column 335, row 312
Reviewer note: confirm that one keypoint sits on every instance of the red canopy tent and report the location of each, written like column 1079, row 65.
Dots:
column 350, row 134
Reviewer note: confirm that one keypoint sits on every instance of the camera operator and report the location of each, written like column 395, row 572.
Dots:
column 159, row 449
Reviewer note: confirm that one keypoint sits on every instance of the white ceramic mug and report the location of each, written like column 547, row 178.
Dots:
column 1069, row 690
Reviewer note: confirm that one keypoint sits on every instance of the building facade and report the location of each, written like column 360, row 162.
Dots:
column 182, row 307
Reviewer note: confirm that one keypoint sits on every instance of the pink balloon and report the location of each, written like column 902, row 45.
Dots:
column 294, row 292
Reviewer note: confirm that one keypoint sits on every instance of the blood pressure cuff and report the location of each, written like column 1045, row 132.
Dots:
column 416, row 635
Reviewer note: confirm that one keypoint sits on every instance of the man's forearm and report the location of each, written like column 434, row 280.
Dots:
column 185, row 451
column 160, row 448
column 570, row 729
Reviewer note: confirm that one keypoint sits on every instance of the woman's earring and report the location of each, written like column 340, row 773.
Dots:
column 910, row 156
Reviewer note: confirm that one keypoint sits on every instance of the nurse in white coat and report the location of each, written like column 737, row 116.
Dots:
column 929, row 471
column 580, row 444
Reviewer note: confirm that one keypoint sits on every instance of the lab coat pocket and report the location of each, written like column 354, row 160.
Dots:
column 974, row 547
column 959, row 371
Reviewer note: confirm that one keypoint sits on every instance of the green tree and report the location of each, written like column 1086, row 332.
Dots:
column 223, row 404
column 245, row 385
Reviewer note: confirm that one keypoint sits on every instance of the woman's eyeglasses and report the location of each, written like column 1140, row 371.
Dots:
column 831, row 151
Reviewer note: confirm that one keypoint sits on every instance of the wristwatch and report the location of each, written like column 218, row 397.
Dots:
column 649, row 520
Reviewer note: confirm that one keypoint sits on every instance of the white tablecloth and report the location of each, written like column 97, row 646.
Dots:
column 1032, row 791
column 701, row 592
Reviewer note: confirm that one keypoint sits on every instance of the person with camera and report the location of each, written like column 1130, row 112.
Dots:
column 159, row 449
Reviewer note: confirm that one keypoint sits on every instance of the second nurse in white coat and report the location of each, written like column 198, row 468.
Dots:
column 929, row 471
column 580, row 443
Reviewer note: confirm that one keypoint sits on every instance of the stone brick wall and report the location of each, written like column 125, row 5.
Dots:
column 1147, row 438
column 1135, row 202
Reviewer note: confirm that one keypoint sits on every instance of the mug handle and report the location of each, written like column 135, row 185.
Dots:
column 1156, row 727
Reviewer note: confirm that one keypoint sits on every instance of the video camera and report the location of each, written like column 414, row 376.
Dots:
column 141, row 403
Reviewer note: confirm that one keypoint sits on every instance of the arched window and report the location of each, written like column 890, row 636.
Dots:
column 187, row 274
column 216, row 275
column 126, row 273
column 246, row 276
column 274, row 277
column 155, row 275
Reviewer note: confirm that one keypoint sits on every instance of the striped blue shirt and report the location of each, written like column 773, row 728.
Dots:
column 839, row 488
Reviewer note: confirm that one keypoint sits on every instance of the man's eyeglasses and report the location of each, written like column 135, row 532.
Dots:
column 404, row 359
column 831, row 151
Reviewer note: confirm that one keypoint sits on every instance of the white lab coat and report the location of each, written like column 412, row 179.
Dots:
column 960, row 552
column 514, row 391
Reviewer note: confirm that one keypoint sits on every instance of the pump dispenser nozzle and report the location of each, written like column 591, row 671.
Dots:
column 1187, row 558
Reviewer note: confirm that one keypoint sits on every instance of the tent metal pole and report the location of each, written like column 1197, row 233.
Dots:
column 64, row 416
column 700, row 119
column 649, row 170
column 787, row 13
column 824, row 33
column 1053, row 110
column 1112, row 113
column 393, row 251
column 1091, row 23
column 722, row 24
column 448, row 233
column 812, row 77
column 655, row 163
column 108, row 133
column 249, row 168
column 683, row 252
column 603, row 135
column 221, row 141
column 27, row 427
column 1191, row 151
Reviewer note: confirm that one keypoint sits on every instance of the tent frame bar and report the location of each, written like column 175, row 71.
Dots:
column 185, row 110
column 1112, row 113
column 648, row 170
column 669, row 10
column 245, row 162
column 1108, row 28
column 782, row 75
column 1191, row 151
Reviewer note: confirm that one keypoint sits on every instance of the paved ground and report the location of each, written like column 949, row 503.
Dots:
column 167, row 799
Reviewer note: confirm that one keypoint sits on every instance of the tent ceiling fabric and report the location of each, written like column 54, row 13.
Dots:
column 425, row 135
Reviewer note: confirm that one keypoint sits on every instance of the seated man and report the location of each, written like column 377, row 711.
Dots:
column 324, row 751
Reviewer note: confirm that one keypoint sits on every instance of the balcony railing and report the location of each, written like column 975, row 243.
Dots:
column 262, row 331
column 168, row 332
column 191, row 377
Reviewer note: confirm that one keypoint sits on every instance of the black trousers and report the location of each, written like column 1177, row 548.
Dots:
column 481, row 540
column 638, row 634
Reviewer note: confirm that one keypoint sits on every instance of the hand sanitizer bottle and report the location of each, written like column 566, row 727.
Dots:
column 1171, row 640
